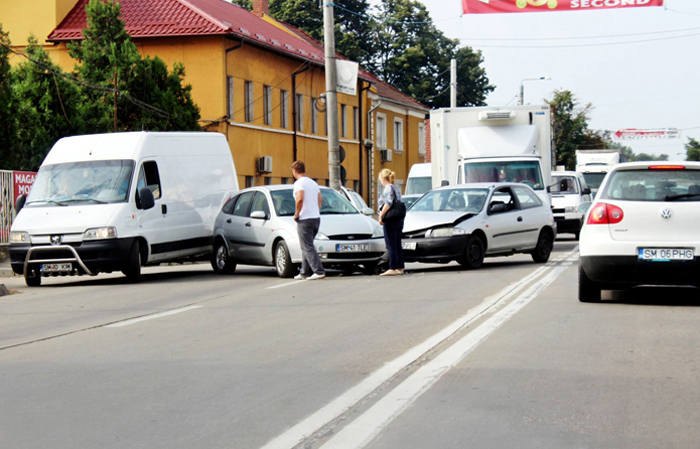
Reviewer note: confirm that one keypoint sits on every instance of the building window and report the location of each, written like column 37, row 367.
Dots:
column 229, row 100
column 285, row 180
column 421, row 139
column 381, row 132
column 355, row 123
column 300, row 112
column 268, row 181
column 398, row 135
column 284, row 109
column 249, row 181
column 356, row 186
column 328, row 182
column 249, row 101
column 267, row 104
column 343, row 120
column 314, row 116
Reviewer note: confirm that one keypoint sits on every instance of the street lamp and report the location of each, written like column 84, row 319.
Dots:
column 522, row 86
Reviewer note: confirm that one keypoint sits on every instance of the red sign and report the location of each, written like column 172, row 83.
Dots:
column 23, row 181
column 661, row 133
column 501, row 6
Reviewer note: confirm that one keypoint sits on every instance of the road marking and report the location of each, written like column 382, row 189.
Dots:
column 350, row 398
column 367, row 426
column 152, row 317
column 282, row 285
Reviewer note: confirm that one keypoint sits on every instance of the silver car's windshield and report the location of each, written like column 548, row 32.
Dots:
column 95, row 182
column 452, row 200
column 332, row 203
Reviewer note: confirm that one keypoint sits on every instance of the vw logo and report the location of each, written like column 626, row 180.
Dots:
column 56, row 240
column 666, row 213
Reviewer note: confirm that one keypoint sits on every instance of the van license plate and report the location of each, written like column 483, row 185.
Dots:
column 55, row 267
column 666, row 254
column 411, row 246
column 352, row 248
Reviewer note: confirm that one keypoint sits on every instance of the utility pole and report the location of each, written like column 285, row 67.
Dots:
column 453, row 84
column 331, row 97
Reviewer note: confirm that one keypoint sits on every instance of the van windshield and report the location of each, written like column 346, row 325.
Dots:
column 97, row 182
column 564, row 185
column 419, row 185
column 526, row 172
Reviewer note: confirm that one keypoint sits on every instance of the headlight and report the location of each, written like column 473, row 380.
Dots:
column 569, row 209
column 444, row 232
column 320, row 236
column 100, row 233
column 19, row 237
column 378, row 232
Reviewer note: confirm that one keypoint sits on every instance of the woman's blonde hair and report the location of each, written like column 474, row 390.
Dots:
column 388, row 175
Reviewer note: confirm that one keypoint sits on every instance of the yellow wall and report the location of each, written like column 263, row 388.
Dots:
column 38, row 17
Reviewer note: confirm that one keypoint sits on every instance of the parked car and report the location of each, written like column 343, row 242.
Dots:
column 115, row 202
column 469, row 222
column 256, row 227
column 642, row 229
column 568, row 190
column 356, row 200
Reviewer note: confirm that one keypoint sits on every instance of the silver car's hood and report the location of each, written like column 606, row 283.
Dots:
column 416, row 221
column 341, row 224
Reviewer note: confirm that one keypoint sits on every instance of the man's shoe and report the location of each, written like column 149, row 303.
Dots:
column 315, row 277
column 299, row 277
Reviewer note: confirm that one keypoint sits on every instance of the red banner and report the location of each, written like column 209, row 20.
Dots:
column 23, row 181
column 501, row 6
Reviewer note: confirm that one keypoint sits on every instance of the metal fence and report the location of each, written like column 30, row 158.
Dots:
column 7, row 208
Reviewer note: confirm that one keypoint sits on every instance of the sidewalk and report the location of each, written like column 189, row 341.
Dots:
column 5, row 270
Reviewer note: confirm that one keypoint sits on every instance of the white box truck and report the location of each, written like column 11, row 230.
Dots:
column 115, row 202
column 491, row 144
column 595, row 164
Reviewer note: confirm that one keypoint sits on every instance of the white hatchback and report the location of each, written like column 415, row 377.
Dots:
column 642, row 229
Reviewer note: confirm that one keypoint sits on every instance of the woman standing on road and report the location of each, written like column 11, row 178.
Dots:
column 393, row 228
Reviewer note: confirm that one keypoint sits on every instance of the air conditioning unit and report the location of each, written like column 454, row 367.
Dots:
column 496, row 115
column 386, row 155
column 265, row 164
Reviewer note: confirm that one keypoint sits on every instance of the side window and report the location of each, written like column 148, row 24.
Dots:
column 502, row 201
column 527, row 198
column 260, row 204
column 243, row 204
column 149, row 177
column 228, row 207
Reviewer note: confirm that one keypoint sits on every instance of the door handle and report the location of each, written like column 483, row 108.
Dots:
column 520, row 218
column 164, row 209
column 247, row 225
column 229, row 221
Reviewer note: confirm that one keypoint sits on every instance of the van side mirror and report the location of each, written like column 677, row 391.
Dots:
column 259, row 215
column 587, row 191
column 145, row 200
column 19, row 204
column 444, row 183
column 367, row 211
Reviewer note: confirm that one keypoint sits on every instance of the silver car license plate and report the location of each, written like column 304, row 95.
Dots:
column 666, row 254
column 411, row 246
column 357, row 248
column 55, row 267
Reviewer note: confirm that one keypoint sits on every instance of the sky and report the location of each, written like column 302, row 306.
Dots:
column 652, row 81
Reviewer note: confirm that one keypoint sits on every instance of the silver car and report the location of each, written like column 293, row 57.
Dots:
column 469, row 222
column 256, row 227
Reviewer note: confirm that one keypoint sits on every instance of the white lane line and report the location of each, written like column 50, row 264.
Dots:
column 367, row 426
column 347, row 400
column 283, row 285
column 152, row 317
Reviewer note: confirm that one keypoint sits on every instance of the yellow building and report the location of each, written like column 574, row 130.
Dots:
column 255, row 80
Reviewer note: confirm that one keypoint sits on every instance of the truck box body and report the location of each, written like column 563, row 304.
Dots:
column 487, row 144
column 595, row 164
column 92, row 182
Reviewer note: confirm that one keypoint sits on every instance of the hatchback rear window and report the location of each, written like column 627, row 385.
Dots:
column 653, row 185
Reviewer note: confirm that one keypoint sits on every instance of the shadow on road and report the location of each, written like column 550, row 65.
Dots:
column 656, row 296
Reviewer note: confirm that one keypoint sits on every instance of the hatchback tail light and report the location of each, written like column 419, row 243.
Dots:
column 603, row 213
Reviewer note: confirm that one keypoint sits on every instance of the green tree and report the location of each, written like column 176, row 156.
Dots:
column 571, row 131
column 47, row 107
column 692, row 149
column 6, row 130
column 648, row 157
column 247, row 4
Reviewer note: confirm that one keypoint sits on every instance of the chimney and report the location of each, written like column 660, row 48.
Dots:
column 261, row 7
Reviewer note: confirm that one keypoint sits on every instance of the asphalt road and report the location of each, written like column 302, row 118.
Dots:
column 501, row 357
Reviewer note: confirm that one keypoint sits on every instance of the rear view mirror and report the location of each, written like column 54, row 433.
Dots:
column 368, row 211
column 145, row 199
column 497, row 208
column 587, row 191
column 19, row 204
column 583, row 207
column 259, row 215
column 444, row 183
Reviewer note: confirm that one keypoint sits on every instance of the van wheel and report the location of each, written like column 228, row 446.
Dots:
column 545, row 243
column 221, row 261
column 577, row 234
column 283, row 262
column 588, row 290
column 474, row 255
column 133, row 264
column 32, row 278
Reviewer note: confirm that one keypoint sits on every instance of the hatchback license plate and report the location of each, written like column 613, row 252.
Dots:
column 666, row 254
column 55, row 267
column 360, row 248
column 411, row 246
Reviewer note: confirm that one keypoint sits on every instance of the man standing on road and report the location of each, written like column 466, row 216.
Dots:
column 308, row 217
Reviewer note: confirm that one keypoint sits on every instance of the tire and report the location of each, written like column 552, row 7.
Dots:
column 473, row 254
column 588, row 290
column 371, row 269
column 542, row 251
column 32, row 278
column 221, row 261
column 283, row 262
column 577, row 234
column 132, row 271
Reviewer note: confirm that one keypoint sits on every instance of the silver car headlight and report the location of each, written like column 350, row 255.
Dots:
column 320, row 236
column 444, row 232
column 100, row 233
column 19, row 237
column 378, row 232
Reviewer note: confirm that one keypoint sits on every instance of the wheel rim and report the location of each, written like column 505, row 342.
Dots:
column 544, row 244
column 474, row 252
column 221, row 257
column 281, row 258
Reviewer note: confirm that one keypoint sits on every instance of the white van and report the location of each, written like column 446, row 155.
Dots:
column 568, row 190
column 116, row 202
column 420, row 179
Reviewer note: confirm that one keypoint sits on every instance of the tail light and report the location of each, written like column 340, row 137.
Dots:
column 603, row 213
